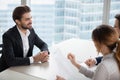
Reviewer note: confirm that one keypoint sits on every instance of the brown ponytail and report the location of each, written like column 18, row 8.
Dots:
column 117, row 54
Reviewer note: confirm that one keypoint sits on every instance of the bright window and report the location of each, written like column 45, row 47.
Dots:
column 6, row 9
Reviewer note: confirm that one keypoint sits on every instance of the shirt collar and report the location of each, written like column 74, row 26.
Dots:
column 21, row 33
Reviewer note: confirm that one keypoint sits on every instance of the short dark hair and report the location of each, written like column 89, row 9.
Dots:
column 19, row 11
column 117, row 16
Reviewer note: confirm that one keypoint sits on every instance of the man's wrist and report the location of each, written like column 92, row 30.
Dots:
column 31, row 59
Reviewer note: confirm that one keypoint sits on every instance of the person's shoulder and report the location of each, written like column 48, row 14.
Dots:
column 110, row 58
column 110, row 64
column 109, row 61
column 10, row 31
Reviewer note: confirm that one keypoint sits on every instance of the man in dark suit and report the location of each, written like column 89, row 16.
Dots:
column 97, row 60
column 18, row 42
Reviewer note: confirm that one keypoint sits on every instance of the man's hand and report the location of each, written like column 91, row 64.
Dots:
column 90, row 62
column 46, row 58
column 42, row 56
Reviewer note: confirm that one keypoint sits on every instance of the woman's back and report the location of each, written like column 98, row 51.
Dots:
column 107, row 69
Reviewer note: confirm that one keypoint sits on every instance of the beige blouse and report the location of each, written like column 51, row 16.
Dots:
column 106, row 70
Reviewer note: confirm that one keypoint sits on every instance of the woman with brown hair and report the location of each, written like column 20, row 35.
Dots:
column 106, row 40
column 95, row 61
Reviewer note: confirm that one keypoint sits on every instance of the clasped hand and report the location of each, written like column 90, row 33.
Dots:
column 41, row 57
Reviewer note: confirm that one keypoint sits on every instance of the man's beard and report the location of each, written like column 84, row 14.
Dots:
column 24, row 27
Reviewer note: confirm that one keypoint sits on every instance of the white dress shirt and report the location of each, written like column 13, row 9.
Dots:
column 25, row 42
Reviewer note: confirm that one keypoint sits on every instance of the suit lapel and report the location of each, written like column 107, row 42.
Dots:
column 30, row 40
column 18, row 38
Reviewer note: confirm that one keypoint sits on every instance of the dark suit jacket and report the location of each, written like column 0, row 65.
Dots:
column 12, row 53
column 98, row 59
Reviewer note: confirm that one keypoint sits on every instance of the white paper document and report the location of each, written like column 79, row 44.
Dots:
column 66, row 69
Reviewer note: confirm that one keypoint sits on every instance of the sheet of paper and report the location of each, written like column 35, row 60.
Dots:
column 67, row 70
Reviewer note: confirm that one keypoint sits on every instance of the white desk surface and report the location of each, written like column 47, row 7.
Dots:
column 49, row 70
column 13, row 75
column 58, row 64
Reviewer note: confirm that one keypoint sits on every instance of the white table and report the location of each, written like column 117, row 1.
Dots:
column 49, row 70
column 13, row 75
column 58, row 63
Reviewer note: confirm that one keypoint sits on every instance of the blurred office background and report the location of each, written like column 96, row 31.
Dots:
column 57, row 20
